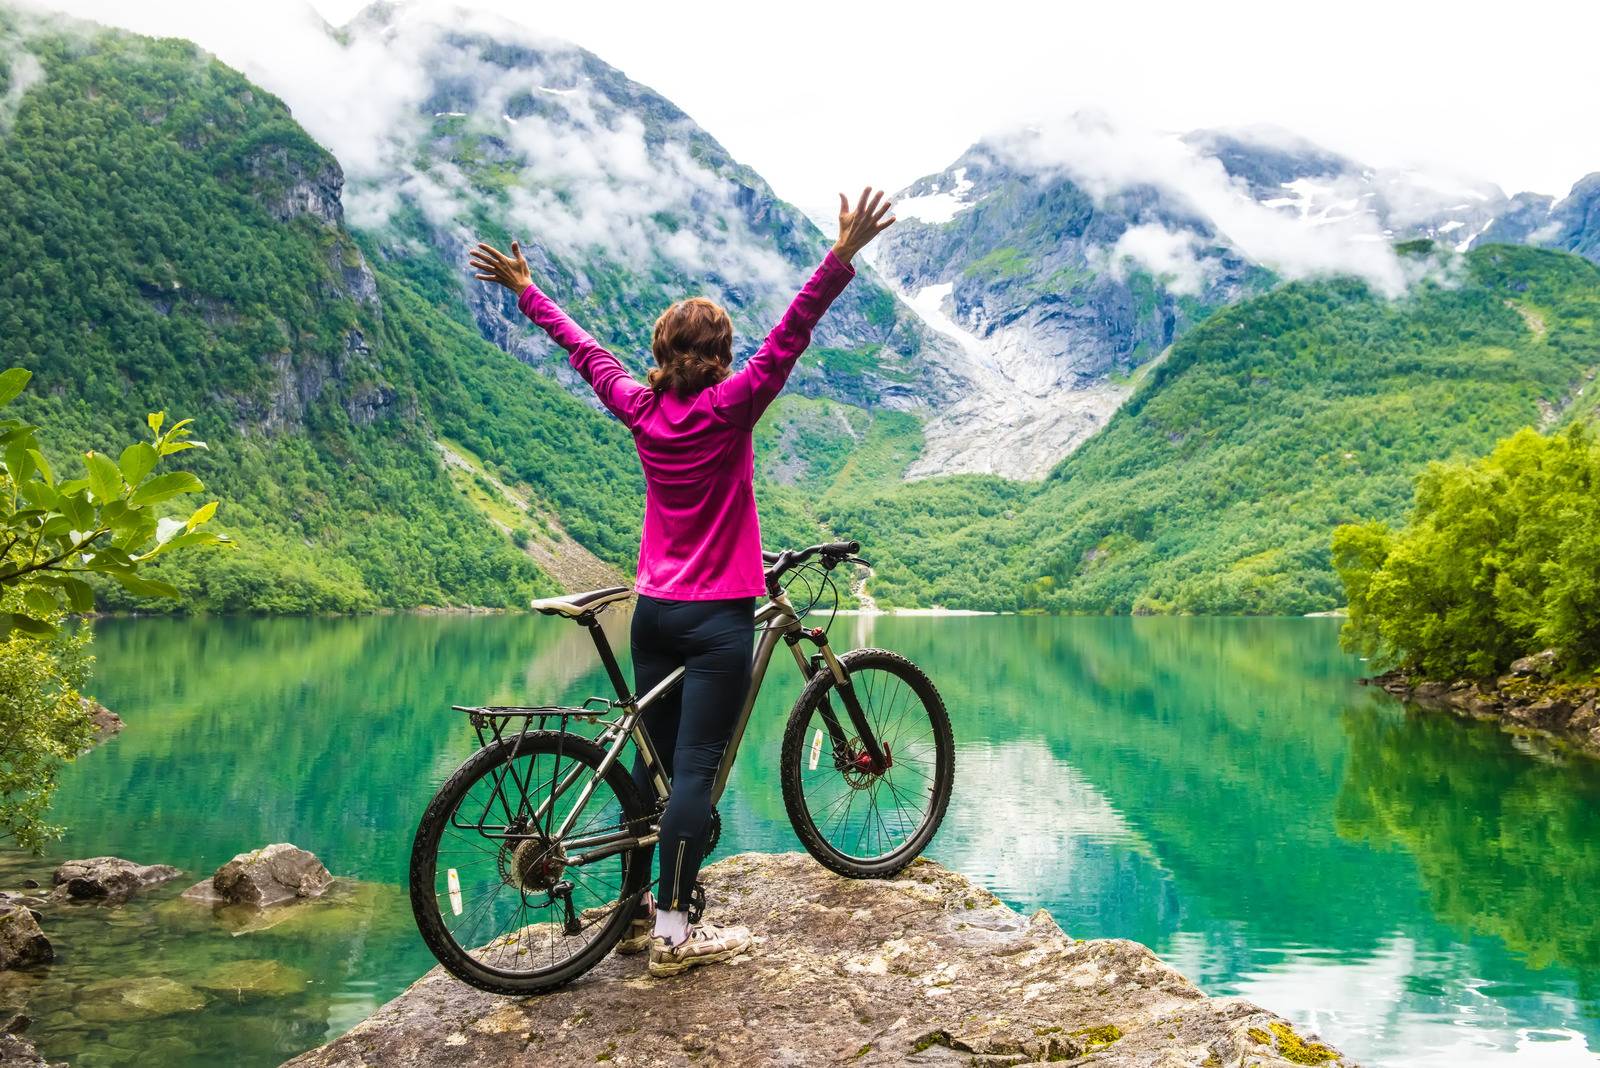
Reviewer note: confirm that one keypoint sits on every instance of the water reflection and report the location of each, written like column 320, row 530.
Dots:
column 1413, row 887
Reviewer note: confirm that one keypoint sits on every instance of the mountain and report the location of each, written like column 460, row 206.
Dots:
column 1571, row 224
column 1215, row 488
column 183, row 244
column 1065, row 258
column 177, row 242
column 385, row 432
column 1020, row 265
column 1299, row 178
column 622, row 202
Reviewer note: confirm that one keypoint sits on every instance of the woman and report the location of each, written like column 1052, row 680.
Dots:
column 700, row 567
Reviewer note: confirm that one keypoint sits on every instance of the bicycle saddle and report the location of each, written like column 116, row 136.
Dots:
column 573, row 605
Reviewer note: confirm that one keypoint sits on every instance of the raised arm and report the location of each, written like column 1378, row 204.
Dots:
column 611, row 382
column 742, row 398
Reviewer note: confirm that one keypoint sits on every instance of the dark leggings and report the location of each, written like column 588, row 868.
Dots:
column 691, row 726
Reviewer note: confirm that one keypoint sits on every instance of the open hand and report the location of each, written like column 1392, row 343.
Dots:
column 858, row 227
column 493, row 265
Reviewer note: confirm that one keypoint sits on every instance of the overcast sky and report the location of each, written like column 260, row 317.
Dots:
column 828, row 94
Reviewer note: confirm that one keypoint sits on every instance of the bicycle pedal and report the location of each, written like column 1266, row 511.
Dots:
column 697, row 903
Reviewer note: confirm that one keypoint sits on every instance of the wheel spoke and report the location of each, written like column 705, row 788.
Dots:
column 866, row 817
column 510, row 925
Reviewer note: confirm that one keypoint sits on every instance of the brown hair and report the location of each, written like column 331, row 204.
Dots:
column 693, row 346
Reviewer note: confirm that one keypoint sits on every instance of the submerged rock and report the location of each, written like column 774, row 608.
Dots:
column 246, row 980
column 22, row 943
column 111, row 880
column 141, row 998
column 925, row 968
column 269, row 876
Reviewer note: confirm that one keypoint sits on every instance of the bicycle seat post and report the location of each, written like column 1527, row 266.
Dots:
column 607, row 657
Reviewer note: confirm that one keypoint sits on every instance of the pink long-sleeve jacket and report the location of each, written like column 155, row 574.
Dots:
column 702, row 538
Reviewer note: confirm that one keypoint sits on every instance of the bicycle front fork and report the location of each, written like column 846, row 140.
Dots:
column 877, row 759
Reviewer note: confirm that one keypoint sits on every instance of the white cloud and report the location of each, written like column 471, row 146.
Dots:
column 585, row 173
column 1107, row 157
column 1167, row 254
column 23, row 74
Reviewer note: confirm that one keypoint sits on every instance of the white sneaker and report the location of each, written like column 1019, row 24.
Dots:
column 707, row 944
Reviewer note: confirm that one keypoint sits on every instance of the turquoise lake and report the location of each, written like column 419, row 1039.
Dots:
column 1417, row 889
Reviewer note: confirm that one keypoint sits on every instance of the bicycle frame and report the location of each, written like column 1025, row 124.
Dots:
column 777, row 621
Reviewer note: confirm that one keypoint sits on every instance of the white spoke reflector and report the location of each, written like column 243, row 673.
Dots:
column 454, row 882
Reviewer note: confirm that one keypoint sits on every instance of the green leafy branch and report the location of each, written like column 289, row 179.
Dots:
column 52, row 534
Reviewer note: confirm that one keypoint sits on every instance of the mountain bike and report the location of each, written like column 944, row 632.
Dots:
column 530, row 860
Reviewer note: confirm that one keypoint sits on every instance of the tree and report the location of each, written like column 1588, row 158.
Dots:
column 55, row 534
column 1500, row 557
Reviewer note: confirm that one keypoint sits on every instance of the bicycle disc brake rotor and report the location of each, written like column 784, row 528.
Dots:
column 856, row 768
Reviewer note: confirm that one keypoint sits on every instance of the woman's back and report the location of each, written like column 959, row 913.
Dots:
column 702, row 537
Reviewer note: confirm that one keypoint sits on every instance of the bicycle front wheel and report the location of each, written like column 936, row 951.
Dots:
column 503, row 901
column 859, row 822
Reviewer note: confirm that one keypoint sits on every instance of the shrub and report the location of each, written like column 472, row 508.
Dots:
column 42, row 724
column 1499, row 557
column 53, row 535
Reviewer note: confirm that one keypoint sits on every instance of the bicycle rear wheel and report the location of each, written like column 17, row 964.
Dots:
column 501, row 902
column 858, row 822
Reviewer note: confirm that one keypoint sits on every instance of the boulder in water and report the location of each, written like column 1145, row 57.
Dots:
column 106, row 722
column 110, row 880
column 22, row 943
column 269, row 876
column 141, row 998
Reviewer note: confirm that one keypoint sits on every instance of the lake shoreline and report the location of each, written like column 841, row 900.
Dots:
column 1566, row 712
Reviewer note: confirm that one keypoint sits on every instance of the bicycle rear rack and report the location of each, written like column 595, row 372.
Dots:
column 493, row 723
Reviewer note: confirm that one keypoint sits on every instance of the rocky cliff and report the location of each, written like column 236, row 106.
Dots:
column 925, row 969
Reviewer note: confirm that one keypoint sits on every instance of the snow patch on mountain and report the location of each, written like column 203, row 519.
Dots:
column 937, row 205
column 1011, row 414
column 1108, row 158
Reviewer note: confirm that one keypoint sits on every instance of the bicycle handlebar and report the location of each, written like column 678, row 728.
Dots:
column 832, row 552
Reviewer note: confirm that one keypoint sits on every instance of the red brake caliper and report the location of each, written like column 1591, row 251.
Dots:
column 864, row 762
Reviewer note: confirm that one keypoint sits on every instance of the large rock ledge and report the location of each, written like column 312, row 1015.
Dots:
column 925, row 969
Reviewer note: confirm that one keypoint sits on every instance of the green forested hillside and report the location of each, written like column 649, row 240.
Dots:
column 174, row 242
column 1216, row 488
